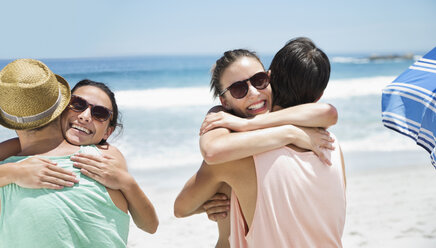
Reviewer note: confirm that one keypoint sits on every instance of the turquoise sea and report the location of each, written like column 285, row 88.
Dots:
column 163, row 100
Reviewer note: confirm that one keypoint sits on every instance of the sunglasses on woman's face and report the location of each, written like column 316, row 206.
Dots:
column 239, row 89
column 100, row 113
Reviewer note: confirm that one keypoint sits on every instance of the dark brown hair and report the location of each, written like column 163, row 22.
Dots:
column 299, row 73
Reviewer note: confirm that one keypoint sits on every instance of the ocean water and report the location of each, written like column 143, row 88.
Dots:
column 163, row 100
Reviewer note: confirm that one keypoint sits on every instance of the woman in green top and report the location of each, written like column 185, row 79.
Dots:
column 91, row 118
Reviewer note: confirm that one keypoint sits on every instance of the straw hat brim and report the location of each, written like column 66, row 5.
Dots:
column 66, row 95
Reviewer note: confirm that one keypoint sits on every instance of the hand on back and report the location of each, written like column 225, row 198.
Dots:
column 105, row 169
column 317, row 140
column 217, row 207
column 37, row 172
column 225, row 120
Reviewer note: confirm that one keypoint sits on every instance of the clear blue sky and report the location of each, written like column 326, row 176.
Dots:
column 93, row 28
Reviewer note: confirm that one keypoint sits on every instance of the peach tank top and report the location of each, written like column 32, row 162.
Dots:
column 300, row 202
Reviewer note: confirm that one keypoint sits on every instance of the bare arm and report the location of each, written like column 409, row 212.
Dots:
column 307, row 115
column 9, row 148
column 343, row 166
column 36, row 172
column 8, row 173
column 111, row 171
column 140, row 207
column 32, row 172
column 221, row 145
column 198, row 190
column 217, row 207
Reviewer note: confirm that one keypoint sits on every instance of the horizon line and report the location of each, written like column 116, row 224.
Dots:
column 262, row 54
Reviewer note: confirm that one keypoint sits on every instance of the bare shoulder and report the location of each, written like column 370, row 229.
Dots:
column 114, row 152
column 238, row 173
column 231, row 169
column 14, row 141
column 243, row 161
column 9, row 148
column 109, row 149
column 217, row 109
column 244, row 164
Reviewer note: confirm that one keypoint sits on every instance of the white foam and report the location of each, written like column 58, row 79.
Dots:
column 160, row 156
column 385, row 141
column 200, row 96
column 346, row 88
column 189, row 154
column 165, row 160
column 173, row 159
column 165, row 97
column 349, row 60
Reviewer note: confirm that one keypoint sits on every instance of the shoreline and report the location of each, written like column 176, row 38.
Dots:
column 358, row 162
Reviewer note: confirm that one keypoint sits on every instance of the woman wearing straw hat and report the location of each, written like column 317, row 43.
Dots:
column 87, row 215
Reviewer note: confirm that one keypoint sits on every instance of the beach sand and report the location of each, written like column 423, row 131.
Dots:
column 386, row 207
column 392, row 207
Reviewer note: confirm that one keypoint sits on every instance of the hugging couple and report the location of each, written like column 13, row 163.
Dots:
column 264, row 151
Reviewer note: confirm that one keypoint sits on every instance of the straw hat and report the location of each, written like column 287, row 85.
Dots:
column 31, row 95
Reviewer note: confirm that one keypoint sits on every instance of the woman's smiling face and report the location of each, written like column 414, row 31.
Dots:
column 256, row 101
column 80, row 128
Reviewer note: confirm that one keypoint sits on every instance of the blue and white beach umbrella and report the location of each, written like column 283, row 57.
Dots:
column 409, row 103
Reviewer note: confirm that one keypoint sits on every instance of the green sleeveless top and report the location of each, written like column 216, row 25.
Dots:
column 80, row 216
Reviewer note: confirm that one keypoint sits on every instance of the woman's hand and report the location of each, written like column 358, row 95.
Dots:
column 110, row 170
column 315, row 139
column 104, row 169
column 37, row 172
column 225, row 120
column 217, row 207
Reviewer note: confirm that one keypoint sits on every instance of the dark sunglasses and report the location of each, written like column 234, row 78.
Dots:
column 239, row 89
column 98, row 112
